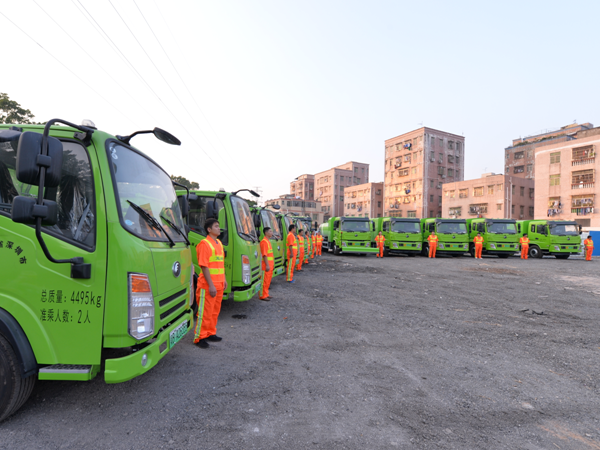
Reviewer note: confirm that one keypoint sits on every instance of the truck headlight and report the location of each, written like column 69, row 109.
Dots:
column 493, row 246
column 343, row 244
column 395, row 245
column 418, row 244
column 141, row 306
column 465, row 246
column 441, row 245
column 246, row 278
column 556, row 247
column 192, row 293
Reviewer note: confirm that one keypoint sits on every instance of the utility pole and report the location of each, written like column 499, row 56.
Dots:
column 259, row 191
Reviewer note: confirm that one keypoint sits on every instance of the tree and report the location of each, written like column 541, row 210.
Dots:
column 12, row 112
column 182, row 180
column 251, row 203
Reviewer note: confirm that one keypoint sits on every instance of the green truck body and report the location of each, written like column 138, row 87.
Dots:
column 453, row 238
column 557, row 238
column 285, row 221
column 101, row 281
column 349, row 235
column 500, row 236
column 402, row 235
column 267, row 218
column 238, row 236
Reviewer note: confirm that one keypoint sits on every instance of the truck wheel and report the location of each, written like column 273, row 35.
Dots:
column 14, row 390
column 503, row 255
column 425, row 250
column 563, row 256
column 336, row 250
column 472, row 250
column 386, row 251
column 535, row 252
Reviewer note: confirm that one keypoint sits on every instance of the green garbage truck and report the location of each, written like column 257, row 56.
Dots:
column 349, row 235
column 266, row 218
column 500, row 236
column 94, row 262
column 402, row 235
column 558, row 238
column 238, row 236
column 453, row 238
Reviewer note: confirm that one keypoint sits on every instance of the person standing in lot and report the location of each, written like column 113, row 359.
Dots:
column 433, row 240
column 292, row 253
column 589, row 248
column 314, row 245
column 211, row 284
column 380, row 240
column 267, row 264
column 300, row 250
column 319, row 243
column 524, row 241
column 306, row 246
column 478, row 245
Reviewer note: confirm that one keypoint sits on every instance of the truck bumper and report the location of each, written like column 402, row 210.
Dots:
column 278, row 271
column 246, row 294
column 359, row 249
column 118, row 370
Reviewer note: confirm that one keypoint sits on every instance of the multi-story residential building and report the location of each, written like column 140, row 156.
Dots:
column 364, row 200
column 416, row 165
column 331, row 184
column 303, row 187
column 290, row 204
column 493, row 196
column 565, row 182
column 520, row 157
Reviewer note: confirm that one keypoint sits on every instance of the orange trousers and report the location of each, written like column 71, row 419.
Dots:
column 208, row 312
column 380, row 254
column 588, row 254
column 432, row 249
column 524, row 251
column 319, row 246
column 300, row 260
column 313, row 251
column 265, row 283
column 291, row 262
column 478, row 248
column 306, row 255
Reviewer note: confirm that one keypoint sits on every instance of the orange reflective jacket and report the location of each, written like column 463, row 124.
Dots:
column 478, row 240
column 433, row 239
column 291, row 243
column 216, row 261
column 380, row 239
column 588, row 243
column 524, row 241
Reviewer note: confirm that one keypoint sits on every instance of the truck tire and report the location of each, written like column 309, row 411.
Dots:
column 535, row 252
column 562, row 256
column 386, row 251
column 472, row 250
column 336, row 250
column 14, row 390
column 503, row 255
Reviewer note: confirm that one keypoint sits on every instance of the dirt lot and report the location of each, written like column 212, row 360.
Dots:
column 362, row 353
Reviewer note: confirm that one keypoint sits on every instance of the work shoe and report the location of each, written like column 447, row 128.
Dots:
column 214, row 338
column 291, row 281
column 202, row 343
column 266, row 299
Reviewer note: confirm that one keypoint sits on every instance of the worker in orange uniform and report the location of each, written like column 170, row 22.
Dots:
column 478, row 245
column 589, row 248
column 292, row 252
column 380, row 239
column 433, row 241
column 314, row 245
column 266, row 252
column 319, row 243
column 306, row 246
column 300, row 250
column 211, row 284
column 524, row 241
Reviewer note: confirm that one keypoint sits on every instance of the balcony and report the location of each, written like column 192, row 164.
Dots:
column 583, row 162
column 582, row 186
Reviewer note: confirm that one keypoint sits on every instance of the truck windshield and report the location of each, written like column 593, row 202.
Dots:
column 243, row 219
column 564, row 229
column 269, row 220
column 406, row 227
column 452, row 228
column 140, row 182
column 502, row 228
column 355, row 225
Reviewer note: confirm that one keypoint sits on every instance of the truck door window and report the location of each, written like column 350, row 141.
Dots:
column 74, row 195
column 533, row 228
column 385, row 226
column 243, row 219
column 197, row 217
column 480, row 228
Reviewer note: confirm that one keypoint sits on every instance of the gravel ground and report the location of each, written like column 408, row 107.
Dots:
column 362, row 353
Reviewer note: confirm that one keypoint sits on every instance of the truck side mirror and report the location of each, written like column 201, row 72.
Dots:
column 30, row 159
column 256, row 221
column 580, row 228
column 184, row 205
column 211, row 210
column 26, row 210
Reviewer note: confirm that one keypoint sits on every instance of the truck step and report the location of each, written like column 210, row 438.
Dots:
column 76, row 372
column 66, row 368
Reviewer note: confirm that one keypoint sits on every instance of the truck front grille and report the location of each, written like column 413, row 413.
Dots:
column 171, row 305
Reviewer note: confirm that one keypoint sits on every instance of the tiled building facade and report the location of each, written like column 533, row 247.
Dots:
column 417, row 164
column 331, row 184
column 291, row 204
column 364, row 200
column 303, row 187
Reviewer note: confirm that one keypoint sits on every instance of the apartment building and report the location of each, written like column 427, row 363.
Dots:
column 303, row 187
column 290, row 204
column 565, row 182
column 416, row 166
column 331, row 184
column 364, row 200
column 520, row 156
column 493, row 196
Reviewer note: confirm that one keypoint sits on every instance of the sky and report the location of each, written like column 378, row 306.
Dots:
column 260, row 92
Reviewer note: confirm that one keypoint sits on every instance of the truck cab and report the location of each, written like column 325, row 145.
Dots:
column 500, row 236
column 350, row 235
column 453, row 238
column 402, row 235
column 93, row 242
column 560, row 239
column 238, row 236
column 267, row 218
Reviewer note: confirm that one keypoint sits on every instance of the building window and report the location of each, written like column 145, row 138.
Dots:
column 529, row 168
column 555, row 158
column 403, row 172
column 531, row 192
column 411, row 214
column 521, row 211
column 519, row 169
column 458, row 147
column 413, row 171
column 440, row 170
column 455, row 211
column 480, row 208
column 441, row 143
column 441, row 159
column 522, row 191
column 432, row 156
column 451, row 172
column 463, row 193
column 507, row 155
column 450, row 159
column 478, row 191
column 430, row 183
column 519, row 155
column 499, row 206
column 431, row 198
column 440, row 199
column 457, row 160
column 450, row 145
column 491, row 190
column 500, row 187
column 433, row 142
column 513, row 189
column 407, row 158
column 379, row 204
column 581, row 178
column 531, row 211
column 582, row 153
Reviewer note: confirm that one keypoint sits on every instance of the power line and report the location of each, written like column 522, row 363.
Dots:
column 186, row 86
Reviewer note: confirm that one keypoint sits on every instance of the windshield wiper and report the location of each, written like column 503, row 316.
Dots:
column 151, row 220
column 172, row 225
column 246, row 234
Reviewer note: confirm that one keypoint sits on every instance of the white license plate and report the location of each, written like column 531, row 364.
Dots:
column 177, row 334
